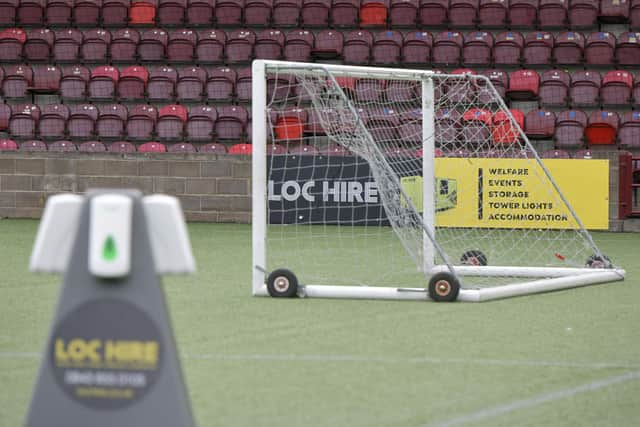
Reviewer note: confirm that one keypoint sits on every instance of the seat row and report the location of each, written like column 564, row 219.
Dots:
column 541, row 14
column 115, row 122
column 360, row 47
column 118, row 147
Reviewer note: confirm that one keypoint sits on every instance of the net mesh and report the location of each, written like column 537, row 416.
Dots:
column 345, row 186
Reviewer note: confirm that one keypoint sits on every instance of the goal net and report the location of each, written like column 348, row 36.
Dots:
column 404, row 184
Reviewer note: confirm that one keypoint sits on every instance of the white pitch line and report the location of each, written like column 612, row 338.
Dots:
column 516, row 405
column 372, row 359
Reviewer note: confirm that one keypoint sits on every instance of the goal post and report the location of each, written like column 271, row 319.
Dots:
column 404, row 184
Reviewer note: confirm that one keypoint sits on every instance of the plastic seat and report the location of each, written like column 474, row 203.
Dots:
column 228, row 13
column 153, row 45
column 33, row 146
column 221, row 84
column 416, row 48
column 602, row 128
column 74, row 81
column 141, row 123
column 627, row 49
column 410, row 128
column 523, row 85
column 357, row 47
column 386, row 48
column 492, row 13
column 345, row 13
column 103, row 83
column 288, row 125
column 111, row 122
column 181, row 46
column 31, row 13
column 152, row 147
column 553, row 14
column 257, row 13
column 629, row 131
column 583, row 154
column 554, row 88
column 124, row 45
column 243, row 85
column 59, row 12
column 5, row 115
column 8, row 145
column 231, row 123
column 616, row 88
column 269, row 44
column 239, row 46
column 599, row 49
column 39, row 45
column 368, row 90
column 17, row 81
column 92, row 147
column 115, row 13
column 53, row 121
column 82, row 120
column 500, row 81
column 190, row 86
column 8, row 12
column 62, row 146
column 241, row 149
column 614, row 11
column 315, row 13
column 383, row 124
column 463, row 13
column 200, row 124
column 133, row 83
column 585, row 88
column 523, row 13
column 213, row 148
column 460, row 90
column 67, row 44
column 142, row 12
column 171, row 13
column 210, row 46
column 46, row 79
column 507, row 49
column 276, row 149
column 11, row 43
column 540, row 124
column 506, row 130
column 447, row 49
column 121, row 147
column 171, row 123
column 200, row 13
column 433, row 13
column 403, row 13
column 476, row 131
column 570, row 127
column 182, row 147
column 538, row 48
column 373, row 13
column 303, row 150
column 298, row 45
column 86, row 13
column 634, row 15
column 568, row 48
column 95, row 45
column 329, row 45
column 477, row 49
column 583, row 14
column 555, row 154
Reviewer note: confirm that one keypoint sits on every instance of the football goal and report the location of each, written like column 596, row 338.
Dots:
column 404, row 184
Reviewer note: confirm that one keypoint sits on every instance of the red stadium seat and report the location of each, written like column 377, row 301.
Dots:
column 171, row 123
column 540, row 124
column 570, row 127
column 190, row 86
column 616, row 88
column 500, row 81
column 81, row 123
column 257, row 13
column 153, row 46
column 95, row 45
column 59, row 12
column 477, row 129
column 288, row 125
column 329, row 45
column 17, row 81
column 5, row 115
column 505, row 130
column 554, row 88
column 142, row 12
column 39, row 45
column 373, row 13
column 31, row 12
column 132, row 84
column 602, row 128
column 11, row 43
column 115, row 13
column 46, row 79
column 152, row 147
column 231, row 123
column 103, row 83
column 8, row 145
column 241, row 149
column 53, row 121
column 523, row 85
column 463, row 13
column 86, row 13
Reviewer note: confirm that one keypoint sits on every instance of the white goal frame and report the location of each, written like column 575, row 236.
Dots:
column 543, row 279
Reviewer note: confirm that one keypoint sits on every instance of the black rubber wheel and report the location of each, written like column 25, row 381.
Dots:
column 443, row 287
column 595, row 261
column 473, row 257
column 282, row 283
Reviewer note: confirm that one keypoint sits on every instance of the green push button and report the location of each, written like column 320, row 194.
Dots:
column 109, row 251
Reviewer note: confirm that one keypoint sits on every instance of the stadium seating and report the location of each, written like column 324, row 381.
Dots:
column 554, row 88
column 386, row 49
column 585, row 88
column 357, row 47
column 628, row 49
column 602, row 128
column 111, row 123
column 616, row 88
column 570, row 125
column 507, row 49
column 583, row 14
column 345, row 13
column 477, row 49
column 629, row 131
column 53, row 121
column 416, row 48
column 568, row 48
column 540, row 124
column 403, row 13
column 8, row 145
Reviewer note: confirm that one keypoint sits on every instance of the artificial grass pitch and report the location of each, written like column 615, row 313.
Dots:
column 564, row 358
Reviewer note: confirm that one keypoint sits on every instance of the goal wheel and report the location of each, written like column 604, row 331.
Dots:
column 443, row 287
column 473, row 257
column 595, row 261
column 282, row 283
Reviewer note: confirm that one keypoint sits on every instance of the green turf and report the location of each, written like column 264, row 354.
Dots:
column 265, row 362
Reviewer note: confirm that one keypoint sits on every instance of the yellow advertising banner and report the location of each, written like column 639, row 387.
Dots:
column 515, row 193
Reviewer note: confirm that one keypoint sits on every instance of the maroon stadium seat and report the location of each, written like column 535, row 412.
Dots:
column 46, row 79
column 92, row 147
column 599, row 49
column 95, row 45
column 239, row 46
column 269, row 44
column 555, row 154
column 8, row 145
column 583, row 14
column 59, row 12
column 200, row 13
column 538, row 47
column 190, row 86
column 24, row 120
column 214, row 148
column 62, row 146
column 73, row 85
column 221, row 84
column 570, row 127
column 132, row 84
column 627, row 49
column 124, row 45
column 629, row 132
column 153, row 45
column 403, row 13
column 540, row 124
column 210, row 47
column 614, row 11
column 82, row 120
column 243, row 85
column 141, row 122
column 53, row 120
column 161, row 83
column 171, row 123
column 298, row 45
column 345, row 13
column 553, row 14
column 433, row 13
column 477, row 128
column 257, row 13
column 463, row 13
column 585, row 88
column 122, row 147
column 461, row 90
column 200, row 124
column 276, row 149
column 478, row 46
column 67, row 44
column 636, row 90
column 103, row 83
column 17, row 81
column 507, row 49
column 329, row 45
column 616, row 88
column 492, row 13
column 602, row 128
column 182, row 46
column 152, row 147
column 8, row 12
column 39, row 45
column 5, row 115
column 634, row 15
column 115, row 13
column 369, row 90
column 31, row 12
column 583, row 154
column 303, row 150
column 111, row 122
column 447, row 49
column 357, row 47
column 171, row 13
column 33, row 145
column 523, row 13
column 228, row 13
column 523, row 85
column 11, row 42
column 416, row 48
column 231, row 122
column 568, row 48
column 86, row 13
column 500, row 81
column 386, row 48
column 182, row 147
column 554, row 88
column 315, row 13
